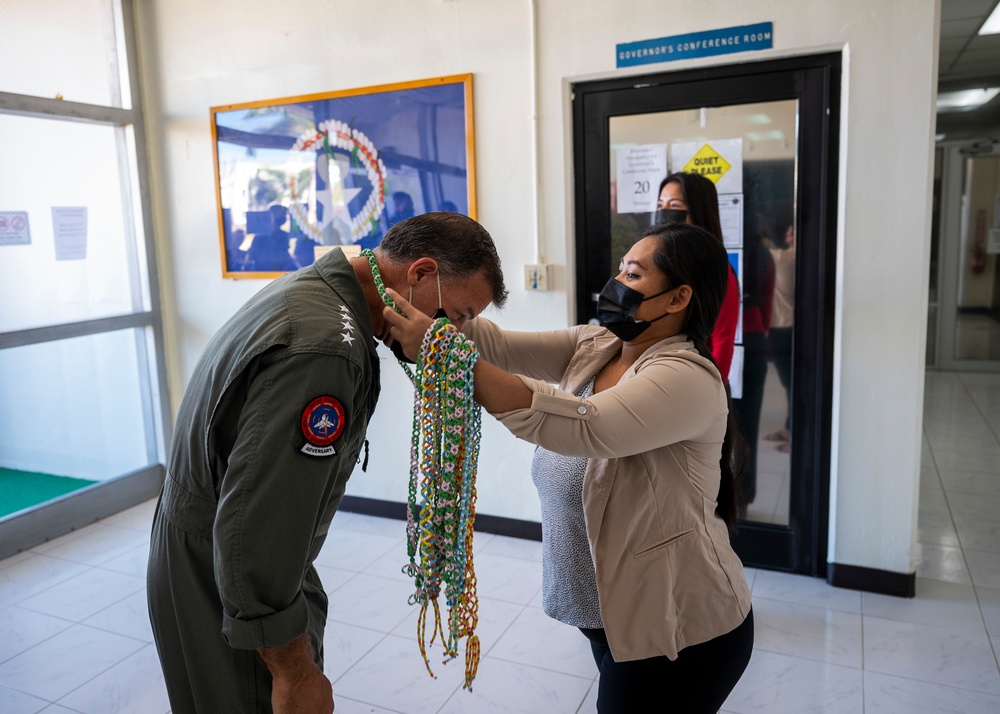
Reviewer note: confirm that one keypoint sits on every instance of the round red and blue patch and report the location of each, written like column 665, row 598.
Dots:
column 323, row 421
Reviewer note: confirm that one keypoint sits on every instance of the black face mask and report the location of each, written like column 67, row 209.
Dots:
column 616, row 308
column 670, row 215
column 397, row 348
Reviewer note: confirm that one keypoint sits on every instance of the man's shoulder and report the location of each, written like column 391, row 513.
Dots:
column 322, row 320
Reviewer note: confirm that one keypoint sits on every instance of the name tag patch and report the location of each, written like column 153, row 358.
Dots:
column 322, row 422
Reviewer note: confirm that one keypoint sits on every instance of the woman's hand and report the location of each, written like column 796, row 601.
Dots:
column 409, row 328
column 496, row 390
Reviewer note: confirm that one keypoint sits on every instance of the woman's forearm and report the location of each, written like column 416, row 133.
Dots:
column 497, row 391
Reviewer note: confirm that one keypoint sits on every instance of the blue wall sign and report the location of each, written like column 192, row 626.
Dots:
column 695, row 44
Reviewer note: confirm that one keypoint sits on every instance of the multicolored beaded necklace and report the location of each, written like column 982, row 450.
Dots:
column 444, row 452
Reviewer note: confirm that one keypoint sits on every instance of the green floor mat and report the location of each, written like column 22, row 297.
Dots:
column 23, row 489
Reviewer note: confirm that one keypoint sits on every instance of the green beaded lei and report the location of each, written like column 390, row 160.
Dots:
column 444, row 453
column 380, row 286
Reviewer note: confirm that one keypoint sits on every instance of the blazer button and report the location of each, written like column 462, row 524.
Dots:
column 581, row 410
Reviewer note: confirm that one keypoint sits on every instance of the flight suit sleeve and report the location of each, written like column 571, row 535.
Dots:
column 300, row 429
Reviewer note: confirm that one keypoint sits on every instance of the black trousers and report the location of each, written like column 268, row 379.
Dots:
column 697, row 682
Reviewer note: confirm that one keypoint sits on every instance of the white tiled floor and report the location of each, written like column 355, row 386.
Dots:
column 74, row 635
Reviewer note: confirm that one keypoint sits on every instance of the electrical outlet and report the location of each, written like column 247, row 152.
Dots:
column 536, row 277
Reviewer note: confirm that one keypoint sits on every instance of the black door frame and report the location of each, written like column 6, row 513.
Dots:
column 814, row 80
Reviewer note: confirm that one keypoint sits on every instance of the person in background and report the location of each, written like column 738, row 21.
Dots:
column 236, row 257
column 269, row 430
column 304, row 252
column 782, row 316
column 758, row 294
column 402, row 204
column 269, row 251
column 637, row 468
column 692, row 198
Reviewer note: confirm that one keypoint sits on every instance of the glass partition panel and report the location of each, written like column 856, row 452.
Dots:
column 74, row 408
column 64, row 49
column 66, row 224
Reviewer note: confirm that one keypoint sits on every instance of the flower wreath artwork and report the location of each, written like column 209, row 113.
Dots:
column 444, row 455
column 335, row 134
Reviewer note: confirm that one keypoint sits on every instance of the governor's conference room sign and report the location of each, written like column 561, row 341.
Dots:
column 744, row 38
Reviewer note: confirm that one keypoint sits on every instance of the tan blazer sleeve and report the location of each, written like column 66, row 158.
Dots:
column 670, row 399
column 539, row 355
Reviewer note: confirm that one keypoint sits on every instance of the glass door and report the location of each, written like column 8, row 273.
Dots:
column 968, row 332
column 763, row 133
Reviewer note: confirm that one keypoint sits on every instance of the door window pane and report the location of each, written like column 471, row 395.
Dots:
column 74, row 408
column 67, row 48
column 66, row 265
column 757, row 212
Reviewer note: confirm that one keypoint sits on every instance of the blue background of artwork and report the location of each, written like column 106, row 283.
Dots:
column 419, row 133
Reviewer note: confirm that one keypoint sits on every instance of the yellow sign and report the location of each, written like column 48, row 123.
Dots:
column 709, row 163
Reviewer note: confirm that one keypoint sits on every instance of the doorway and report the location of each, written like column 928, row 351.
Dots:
column 965, row 293
column 772, row 128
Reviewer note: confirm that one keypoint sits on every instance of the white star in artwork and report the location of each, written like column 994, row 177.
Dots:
column 348, row 338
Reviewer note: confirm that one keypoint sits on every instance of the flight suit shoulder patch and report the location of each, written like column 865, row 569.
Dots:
column 323, row 421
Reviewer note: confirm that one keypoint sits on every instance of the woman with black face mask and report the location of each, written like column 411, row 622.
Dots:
column 637, row 469
column 692, row 199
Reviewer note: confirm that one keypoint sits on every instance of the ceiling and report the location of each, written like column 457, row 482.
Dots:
column 966, row 61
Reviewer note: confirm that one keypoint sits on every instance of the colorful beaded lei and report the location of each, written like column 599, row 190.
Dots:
column 334, row 134
column 444, row 452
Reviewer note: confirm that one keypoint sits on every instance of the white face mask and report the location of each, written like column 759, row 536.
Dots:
column 397, row 349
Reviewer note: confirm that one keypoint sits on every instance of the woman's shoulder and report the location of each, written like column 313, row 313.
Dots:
column 680, row 353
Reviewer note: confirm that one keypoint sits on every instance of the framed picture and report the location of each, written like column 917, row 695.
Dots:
column 298, row 176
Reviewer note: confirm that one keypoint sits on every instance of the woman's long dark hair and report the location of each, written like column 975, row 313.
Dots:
column 689, row 255
column 701, row 198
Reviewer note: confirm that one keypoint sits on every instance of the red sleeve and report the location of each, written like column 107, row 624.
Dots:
column 724, row 334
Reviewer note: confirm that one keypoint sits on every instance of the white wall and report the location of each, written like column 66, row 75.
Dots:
column 196, row 55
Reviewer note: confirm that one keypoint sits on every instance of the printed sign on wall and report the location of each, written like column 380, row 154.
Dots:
column 69, row 228
column 743, row 38
column 640, row 170
column 14, row 228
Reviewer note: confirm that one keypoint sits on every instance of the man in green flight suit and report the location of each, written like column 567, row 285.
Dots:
column 271, row 425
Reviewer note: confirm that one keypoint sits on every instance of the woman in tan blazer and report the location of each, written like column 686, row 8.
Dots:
column 641, row 414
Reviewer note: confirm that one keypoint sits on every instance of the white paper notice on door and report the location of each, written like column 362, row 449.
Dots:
column 640, row 170
column 736, row 373
column 69, row 227
column 731, row 217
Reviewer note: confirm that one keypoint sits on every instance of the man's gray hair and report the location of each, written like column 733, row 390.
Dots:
column 459, row 244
